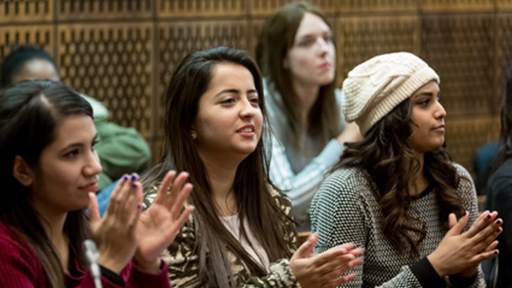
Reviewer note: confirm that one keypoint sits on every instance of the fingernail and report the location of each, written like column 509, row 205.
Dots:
column 498, row 222
column 352, row 257
column 498, row 230
column 134, row 186
column 488, row 215
column 125, row 177
column 495, row 252
column 138, row 206
column 133, row 178
column 343, row 250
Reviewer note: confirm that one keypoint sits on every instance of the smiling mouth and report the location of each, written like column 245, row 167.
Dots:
column 246, row 130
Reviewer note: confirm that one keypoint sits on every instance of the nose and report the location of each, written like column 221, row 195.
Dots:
column 322, row 46
column 247, row 109
column 440, row 112
column 92, row 166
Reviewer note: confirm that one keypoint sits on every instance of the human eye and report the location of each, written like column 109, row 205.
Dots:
column 228, row 101
column 72, row 154
column 328, row 38
column 93, row 144
column 305, row 43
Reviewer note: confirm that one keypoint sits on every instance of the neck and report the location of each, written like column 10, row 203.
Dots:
column 221, row 176
column 307, row 95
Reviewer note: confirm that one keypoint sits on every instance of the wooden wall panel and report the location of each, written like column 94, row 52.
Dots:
column 124, row 52
column 464, row 136
column 111, row 63
column 37, row 35
column 457, row 47
column 504, row 4
column 21, row 11
column 103, row 9
column 458, row 5
column 201, row 8
column 359, row 39
column 503, row 60
column 378, row 5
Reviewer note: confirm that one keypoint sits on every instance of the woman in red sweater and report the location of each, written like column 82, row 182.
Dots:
column 48, row 168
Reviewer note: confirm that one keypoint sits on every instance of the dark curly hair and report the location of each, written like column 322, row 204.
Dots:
column 388, row 158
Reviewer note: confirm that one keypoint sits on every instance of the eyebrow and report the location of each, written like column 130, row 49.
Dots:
column 77, row 144
column 235, row 91
column 428, row 94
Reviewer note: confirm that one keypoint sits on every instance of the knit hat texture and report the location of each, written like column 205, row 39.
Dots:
column 375, row 87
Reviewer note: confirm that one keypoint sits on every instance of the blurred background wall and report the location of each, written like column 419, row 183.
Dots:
column 123, row 52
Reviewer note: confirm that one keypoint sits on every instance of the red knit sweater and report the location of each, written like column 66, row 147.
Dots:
column 20, row 268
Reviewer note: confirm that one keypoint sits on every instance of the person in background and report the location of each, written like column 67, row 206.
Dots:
column 499, row 195
column 396, row 193
column 241, row 233
column 49, row 170
column 121, row 150
column 297, row 56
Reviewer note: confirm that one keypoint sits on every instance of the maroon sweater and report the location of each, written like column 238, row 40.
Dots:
column 20, row 268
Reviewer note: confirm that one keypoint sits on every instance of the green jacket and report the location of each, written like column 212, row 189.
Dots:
column 121, row 150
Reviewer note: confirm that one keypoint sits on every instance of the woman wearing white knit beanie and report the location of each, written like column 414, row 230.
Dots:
column 396, row 193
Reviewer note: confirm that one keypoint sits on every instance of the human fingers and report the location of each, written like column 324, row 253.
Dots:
column 164, row 187
column 329, row 255
column 337, row 266
column 457, row 229
column 481, row 223
column 306, row 249
column 178, row 224
column 133, row 207
column 130, row 202
column 177, row 187
column 111, row 205
column 94, row 214
column 488, row 235
column 492, row 246
column 452, row 220
column 341, row 280
column 176, row 206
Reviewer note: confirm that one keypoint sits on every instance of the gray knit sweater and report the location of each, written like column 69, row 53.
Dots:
column 345, row 210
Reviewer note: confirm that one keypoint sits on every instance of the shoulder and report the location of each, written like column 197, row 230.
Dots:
column 466, row 181
column 343, row 187
column 15, row 249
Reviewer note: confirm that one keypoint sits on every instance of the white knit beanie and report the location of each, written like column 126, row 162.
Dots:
column 375, row 87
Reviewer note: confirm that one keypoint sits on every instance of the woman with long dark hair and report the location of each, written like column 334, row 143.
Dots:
column 396, row 192
column 297, row 55
column 49, row 169
column 241, row 233
column 499, row 187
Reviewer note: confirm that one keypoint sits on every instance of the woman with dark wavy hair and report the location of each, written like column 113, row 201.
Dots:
column 49, row 171
column 241, row 233
column 396, row 193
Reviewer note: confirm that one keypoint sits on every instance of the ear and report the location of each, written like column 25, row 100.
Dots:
column 286, row 65
column 193, row 133
column 22, row 171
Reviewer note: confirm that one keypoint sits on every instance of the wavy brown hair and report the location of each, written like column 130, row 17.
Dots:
column 276, row 39
column 254, row 199
column 388, row 159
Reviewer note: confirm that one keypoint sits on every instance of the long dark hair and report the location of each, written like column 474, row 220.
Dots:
column 387, row 157
column 12, row 64
column 505, row 143
column 252, row 189
column 276, row 39
column 29, row 113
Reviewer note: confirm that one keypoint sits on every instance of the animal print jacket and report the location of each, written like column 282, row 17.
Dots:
column 182, row 257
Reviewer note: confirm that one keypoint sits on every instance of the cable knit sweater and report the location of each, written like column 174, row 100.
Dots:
column 20, row 268
column 345, row 210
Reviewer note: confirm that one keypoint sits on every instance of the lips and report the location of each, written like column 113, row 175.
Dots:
column 325, row 65
column 91, row 187
column 246, row 129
